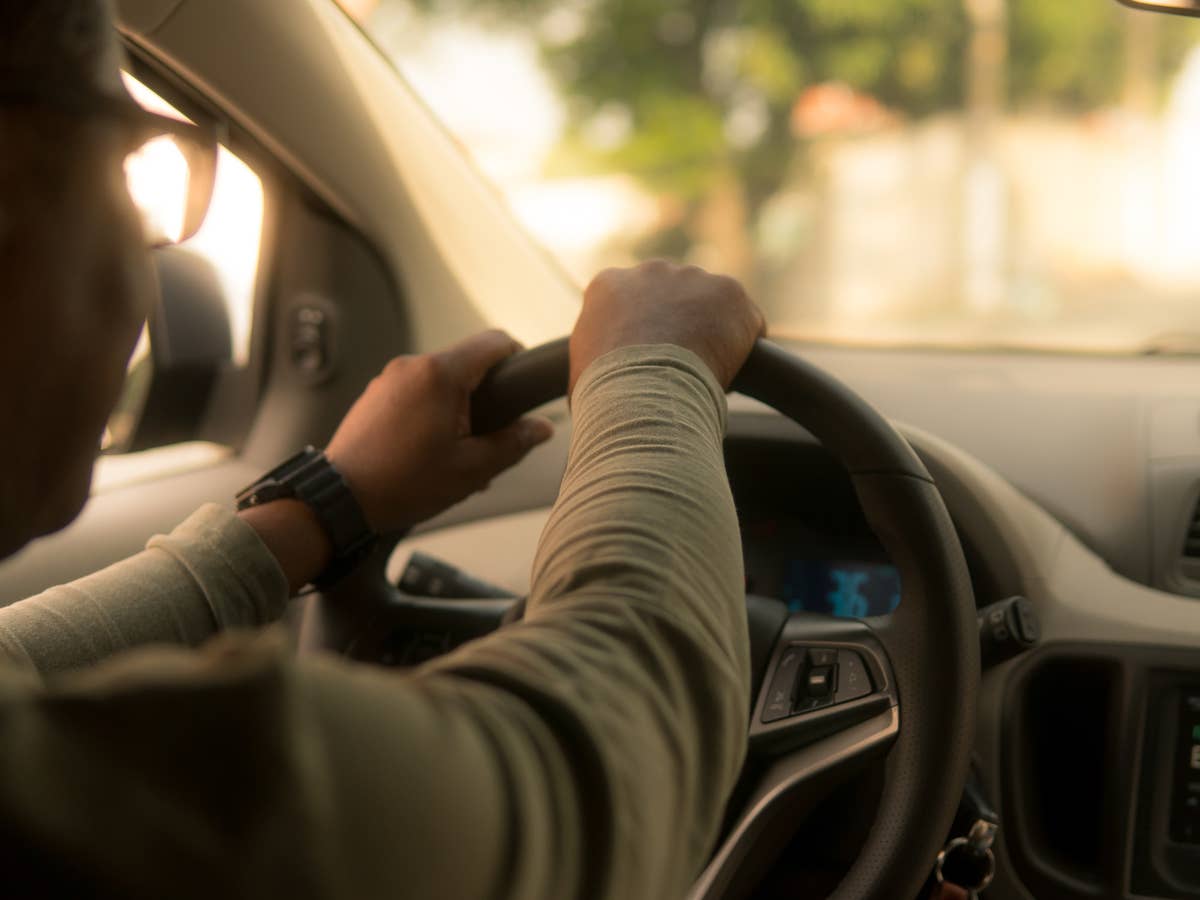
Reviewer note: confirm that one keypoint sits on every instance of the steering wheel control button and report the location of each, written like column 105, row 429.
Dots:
column 782, row 691
column 822, row 656
column 819, row 682
column 854, row 680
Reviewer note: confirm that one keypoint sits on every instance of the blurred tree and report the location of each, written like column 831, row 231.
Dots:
column 696, row 97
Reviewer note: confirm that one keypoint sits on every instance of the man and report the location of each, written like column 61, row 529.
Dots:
column 586, row 752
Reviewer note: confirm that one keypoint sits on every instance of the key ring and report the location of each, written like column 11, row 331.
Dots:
column 979, row 839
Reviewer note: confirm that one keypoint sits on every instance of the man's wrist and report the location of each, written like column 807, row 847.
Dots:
column 290, row 530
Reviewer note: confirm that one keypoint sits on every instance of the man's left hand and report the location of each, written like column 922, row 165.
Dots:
column 406, row 446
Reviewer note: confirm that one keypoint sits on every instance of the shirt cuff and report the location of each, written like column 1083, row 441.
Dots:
column 239, row 576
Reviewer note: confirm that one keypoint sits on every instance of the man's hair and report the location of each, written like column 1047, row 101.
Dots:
column 57, row 40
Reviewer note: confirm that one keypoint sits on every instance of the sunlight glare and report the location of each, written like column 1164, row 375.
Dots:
column 231, row 236
column 157, row 178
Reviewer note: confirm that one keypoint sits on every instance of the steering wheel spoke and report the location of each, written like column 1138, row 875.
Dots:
column 826, row 707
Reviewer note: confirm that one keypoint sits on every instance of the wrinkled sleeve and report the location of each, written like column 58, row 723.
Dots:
column 585, row 753
column 211, row 573
column 634, row 656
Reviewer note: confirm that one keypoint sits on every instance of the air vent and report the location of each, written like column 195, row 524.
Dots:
column 1191, row 541
column 1061, row 767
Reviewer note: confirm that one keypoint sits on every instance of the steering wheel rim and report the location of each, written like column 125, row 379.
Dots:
column 924, row 657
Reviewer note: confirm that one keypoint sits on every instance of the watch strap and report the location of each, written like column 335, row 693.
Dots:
column 311, row 478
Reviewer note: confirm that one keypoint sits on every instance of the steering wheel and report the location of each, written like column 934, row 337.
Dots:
column 829, row 694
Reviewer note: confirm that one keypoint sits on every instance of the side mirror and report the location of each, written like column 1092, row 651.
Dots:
column 168, row 391
column 1175, row 7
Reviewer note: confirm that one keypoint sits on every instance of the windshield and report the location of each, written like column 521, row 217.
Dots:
column 963, row 173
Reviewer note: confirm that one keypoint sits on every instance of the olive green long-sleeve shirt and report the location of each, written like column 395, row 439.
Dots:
column 586, row 752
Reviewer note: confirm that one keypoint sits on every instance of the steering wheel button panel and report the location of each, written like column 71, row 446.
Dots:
column 811, row 678
column 782, row 692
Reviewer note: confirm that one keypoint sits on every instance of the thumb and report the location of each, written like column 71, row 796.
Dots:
column 490, row 454
column 469, row 360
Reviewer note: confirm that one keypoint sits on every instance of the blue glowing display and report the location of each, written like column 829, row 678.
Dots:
column 846, row 589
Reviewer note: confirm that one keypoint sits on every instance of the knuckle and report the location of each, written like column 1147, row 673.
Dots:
column 731, row 284
column 395, row 368
column 428, row 370
column 658, row 268
column 438, row 371
column 601, row 283
column 728, row 286
column 604, row 276
column 497, row 335
column 395, row 364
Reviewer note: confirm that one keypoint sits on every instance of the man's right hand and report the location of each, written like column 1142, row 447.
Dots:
column 662, row 303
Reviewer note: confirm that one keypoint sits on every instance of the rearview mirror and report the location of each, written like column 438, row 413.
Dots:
column 1176, row 7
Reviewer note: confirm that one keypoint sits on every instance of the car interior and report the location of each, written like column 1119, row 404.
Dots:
column 972, row 564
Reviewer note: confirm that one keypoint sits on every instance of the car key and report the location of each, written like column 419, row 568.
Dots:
column 968, row 861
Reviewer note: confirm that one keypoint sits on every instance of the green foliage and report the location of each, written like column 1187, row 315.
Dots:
column 683, row 67
column 682, row 87
column 676, row 144
column 1064, row 54
column 769, row 65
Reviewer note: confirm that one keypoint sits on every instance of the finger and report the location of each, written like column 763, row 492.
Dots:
column 946, row 891
column 469, row 360
column 487, row 455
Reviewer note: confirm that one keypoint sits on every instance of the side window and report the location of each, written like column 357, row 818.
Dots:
column 200, row 332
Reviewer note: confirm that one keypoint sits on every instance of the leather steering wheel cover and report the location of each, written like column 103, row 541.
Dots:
column 931, row 638
column 932, row 642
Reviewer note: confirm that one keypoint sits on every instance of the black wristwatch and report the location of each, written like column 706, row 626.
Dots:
column 311, row 478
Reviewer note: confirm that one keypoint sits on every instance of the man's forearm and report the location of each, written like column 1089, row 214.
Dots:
column 290, row 530
column 210, row 573
column 634, row 648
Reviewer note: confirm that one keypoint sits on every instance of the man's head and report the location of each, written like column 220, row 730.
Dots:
column 75, row 279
